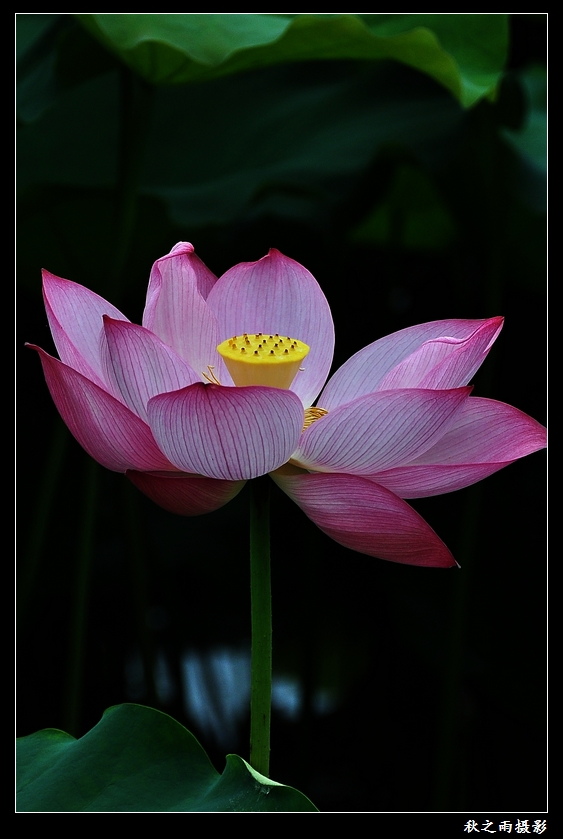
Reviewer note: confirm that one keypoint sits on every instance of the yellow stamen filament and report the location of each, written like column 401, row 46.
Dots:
column 313, row 414
column 211, row 377
column 263, row 360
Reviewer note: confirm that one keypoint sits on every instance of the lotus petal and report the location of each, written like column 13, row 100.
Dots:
column 232, row 433
column 365, row 517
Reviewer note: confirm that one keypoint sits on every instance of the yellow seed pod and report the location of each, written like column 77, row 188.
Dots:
column 263, row 359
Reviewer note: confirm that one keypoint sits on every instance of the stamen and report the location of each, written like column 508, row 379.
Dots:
column 211, row 377
column 312, row 415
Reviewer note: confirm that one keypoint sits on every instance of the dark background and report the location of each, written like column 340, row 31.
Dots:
column 402, row 689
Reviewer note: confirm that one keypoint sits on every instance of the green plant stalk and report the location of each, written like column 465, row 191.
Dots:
column 261, row 612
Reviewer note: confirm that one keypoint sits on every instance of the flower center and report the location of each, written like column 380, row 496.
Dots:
column 312, row 415
column 263, row 359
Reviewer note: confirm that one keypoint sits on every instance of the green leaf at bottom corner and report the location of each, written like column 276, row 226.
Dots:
column 137, row 759
column 242, row 789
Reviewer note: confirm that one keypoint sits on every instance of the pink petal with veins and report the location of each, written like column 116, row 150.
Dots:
column 138, row 365
column 177, row 312
column 365, row 517
column 232, row 433
column 277, row 294
column 379, row 431
column 366, row 370
column 75, row 316
column 185, row 495
column 485, row 436
column 106, row 428
column 444, row 362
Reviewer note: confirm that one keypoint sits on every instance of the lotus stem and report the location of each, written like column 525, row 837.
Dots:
column 261, row 611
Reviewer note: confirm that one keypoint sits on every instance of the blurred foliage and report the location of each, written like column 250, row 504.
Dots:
column 465, row 53
column 401, row 158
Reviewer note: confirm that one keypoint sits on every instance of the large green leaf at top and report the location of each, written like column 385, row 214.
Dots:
column 138, row 759
column 464, row 52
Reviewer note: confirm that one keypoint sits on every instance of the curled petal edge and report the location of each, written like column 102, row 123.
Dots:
column 364, row 371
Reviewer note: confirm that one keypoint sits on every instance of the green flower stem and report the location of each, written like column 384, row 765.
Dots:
column 261, row 610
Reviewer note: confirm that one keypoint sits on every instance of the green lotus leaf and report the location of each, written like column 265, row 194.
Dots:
column 464, row 52
column 137, row 759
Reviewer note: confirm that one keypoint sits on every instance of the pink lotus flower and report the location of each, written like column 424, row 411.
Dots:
column 396, row 421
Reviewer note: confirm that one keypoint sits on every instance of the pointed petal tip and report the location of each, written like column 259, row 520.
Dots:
column 273, row 254
column 48, row 278
column 276, row 254
column 499, row 321
column 182, row 247
column 53, row 280
column 366, row 518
